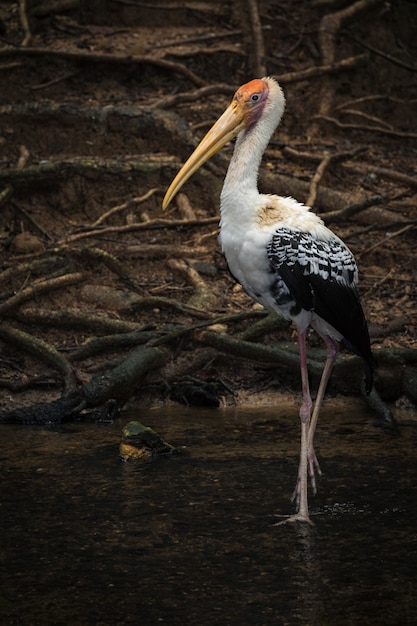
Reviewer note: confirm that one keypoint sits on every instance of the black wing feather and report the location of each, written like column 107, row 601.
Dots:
column 320, row 278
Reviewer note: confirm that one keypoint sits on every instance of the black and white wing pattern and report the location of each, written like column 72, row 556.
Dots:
column 330, row 259
column 320, row 276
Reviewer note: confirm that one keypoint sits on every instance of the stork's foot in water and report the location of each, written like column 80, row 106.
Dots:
column 313, row 467
column 297, row 517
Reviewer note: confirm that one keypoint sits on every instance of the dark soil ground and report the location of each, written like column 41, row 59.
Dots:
column 100, row 105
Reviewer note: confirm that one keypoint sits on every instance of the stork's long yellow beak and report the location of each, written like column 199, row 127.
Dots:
column 227, row 126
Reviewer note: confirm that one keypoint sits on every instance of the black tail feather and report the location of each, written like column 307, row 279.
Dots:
column 367, row 357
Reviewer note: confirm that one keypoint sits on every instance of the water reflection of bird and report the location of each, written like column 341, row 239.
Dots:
column 282, row 254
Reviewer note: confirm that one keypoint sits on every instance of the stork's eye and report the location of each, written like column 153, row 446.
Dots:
column 254, row 97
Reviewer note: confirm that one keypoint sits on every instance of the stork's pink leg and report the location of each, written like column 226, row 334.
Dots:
column 305, row 409
column 332, row 347
column 300, row 492
column 308, row 461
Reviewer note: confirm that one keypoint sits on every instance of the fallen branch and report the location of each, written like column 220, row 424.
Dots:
column 97, row 345
column 185, row 41
column 318, row 175
column 13, row 272
column 350, row 63
column 257, row 39
column 193, row 96
column 255, row 351
column 270, row 323
column 383, row 171
column 25, row 23
column 117, row 384
column 331, row 24
column 386, row 238
column 203, row 297
column 356, row 167
column 329, row 28
column 333, row 217
column 126, row 205
column 348, row 368
column 39, row 287
column 54, row 81
column 159, row 251
column 366, row 116
column 109, row 260
column 384, row 55
column 159, row 301
column 364, row 127
column 32, row 382
column 372, row 98
column 127, row 228
column 94, row 58
column 213, row 321
column 75, row 319
column 227, row 48
column 83, row 165
column 41, row 350
column 184, row 207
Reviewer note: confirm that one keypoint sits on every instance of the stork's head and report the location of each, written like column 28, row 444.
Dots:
column 260, row 98
column 249, row 101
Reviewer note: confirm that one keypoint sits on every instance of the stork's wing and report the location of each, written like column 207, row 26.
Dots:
column 329, row 259
column 320, row 276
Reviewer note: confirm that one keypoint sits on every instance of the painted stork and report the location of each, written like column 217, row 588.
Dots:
column 283, row 255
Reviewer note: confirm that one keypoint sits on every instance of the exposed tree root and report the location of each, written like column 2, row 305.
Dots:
column 92, row 58
column 117, row 385
column 40, row 349
column 39, row 287
column 330, row 27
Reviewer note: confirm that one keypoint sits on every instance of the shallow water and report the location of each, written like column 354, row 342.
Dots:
column 87, row 539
